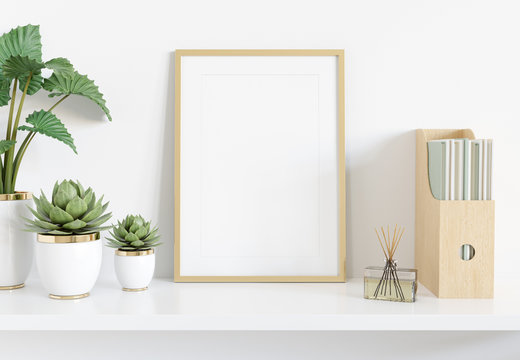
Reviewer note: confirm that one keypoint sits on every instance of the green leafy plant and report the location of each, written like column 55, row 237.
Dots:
column 71, row 211
column 133, row 233
column 21, row 67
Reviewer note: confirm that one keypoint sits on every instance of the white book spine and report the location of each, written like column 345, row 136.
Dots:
column 474, row 174
column 484, row 174
column 460, row 171
column 479, row 174
column 447, row 171
column 452, row 170
column 467, row 175
column 468, row 169
column 490, row 170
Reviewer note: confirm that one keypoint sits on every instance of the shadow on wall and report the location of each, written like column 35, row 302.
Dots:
column 380, row 191
column 77, row 110
column 83, row 108
column 164, row 257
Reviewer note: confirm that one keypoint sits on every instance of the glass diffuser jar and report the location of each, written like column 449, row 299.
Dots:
column 390, row 283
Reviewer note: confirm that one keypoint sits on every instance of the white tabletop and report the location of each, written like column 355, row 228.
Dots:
column 232, row 306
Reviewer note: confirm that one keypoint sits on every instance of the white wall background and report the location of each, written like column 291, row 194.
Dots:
column 409, row 64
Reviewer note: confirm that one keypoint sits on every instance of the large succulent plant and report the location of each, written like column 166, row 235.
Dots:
column 72, row 211
column 133, row 233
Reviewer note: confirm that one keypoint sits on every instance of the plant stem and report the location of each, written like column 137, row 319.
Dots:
column 25, row 145
column 1, row 177
column 58, row 102
column 11, row 111
column 19, row 113
column 21, row 149
column 9, row 184
column 8, row 134
column 20, row 154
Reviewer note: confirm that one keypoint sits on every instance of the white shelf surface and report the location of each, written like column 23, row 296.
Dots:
column 271, row 307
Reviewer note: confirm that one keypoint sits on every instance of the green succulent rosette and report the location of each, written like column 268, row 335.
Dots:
column 71, row 211
column 133, row 233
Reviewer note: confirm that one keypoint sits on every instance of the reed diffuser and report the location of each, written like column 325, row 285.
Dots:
column 389, row 282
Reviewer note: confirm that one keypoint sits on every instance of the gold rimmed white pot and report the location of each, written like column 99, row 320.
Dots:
column 134, row 269
column 68, row 265
column 16, row 245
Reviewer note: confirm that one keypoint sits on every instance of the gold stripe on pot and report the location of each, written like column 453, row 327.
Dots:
column 134, row 252
column 67, row 239
column 18, row 195
column 135, row 290
column 12, row 287
column 68, row 297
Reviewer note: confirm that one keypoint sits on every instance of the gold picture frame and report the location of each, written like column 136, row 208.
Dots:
column 341, row 273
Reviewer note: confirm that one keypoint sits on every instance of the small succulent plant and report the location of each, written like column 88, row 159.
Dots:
column 72, row 211
column 133, row 233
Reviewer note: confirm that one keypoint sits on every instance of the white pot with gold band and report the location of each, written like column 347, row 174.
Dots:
column 134, row 269
column 68, row 265
column 16, row 245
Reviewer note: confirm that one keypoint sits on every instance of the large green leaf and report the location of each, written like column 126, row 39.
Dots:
column 89, row 196
column 38, row 214
column 152, row 235
column 34, row 86
column 59, row 216
column 60, row 65
column 114, row 243
column 6, row 145
column 74, row 225
column 45, row 204
column 93, row 214
column 131, row 237
column 18, row 66
column 66, row 192
column 22, row 41
column 65, row 84
column 5, row 87
column 137, row 243
column 76, row 207
column 47, row 123
column 141, row 232
column 45, row 224
column 119, row 231
column 100, row 221
column 54, row 190
column 57, row 64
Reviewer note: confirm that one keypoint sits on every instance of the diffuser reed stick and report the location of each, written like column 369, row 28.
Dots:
column 389, row 246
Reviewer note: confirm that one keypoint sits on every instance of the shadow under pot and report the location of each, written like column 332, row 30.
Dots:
column 16, row 245
column 134, row 268
column 68, row 265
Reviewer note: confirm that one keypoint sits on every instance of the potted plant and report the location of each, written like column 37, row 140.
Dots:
column 134, row 240
column 21, row 68
column 68, row 247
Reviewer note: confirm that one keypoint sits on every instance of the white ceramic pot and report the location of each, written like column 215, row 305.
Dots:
column 134, row 269
column 16, row 245
column 69, row 265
